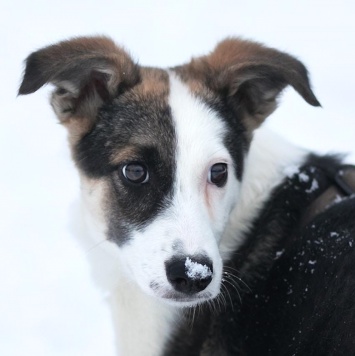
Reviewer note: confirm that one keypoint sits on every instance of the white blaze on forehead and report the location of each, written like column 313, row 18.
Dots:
column 195, row 270
column 200, row 209
column 199, row 130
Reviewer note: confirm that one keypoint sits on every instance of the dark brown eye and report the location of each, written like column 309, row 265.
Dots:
column 135, row 172
column 218, row 174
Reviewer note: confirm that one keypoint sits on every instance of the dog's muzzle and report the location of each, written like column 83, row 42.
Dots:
column 189, row 275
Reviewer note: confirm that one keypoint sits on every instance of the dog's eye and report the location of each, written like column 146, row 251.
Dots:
column 135, row 172
column 218, row 174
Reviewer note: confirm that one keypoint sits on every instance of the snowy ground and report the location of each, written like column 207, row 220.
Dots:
column 48, row 305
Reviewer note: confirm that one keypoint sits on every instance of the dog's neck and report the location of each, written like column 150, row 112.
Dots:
column 269, row 160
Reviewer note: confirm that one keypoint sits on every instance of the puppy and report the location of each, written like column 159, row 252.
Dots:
column 213, row 236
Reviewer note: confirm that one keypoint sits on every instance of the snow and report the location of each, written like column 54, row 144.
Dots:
column 195, row 270
column 314, row 186
column 290, row 171
column 48, row 304
column 303, row 177
column 278, row 254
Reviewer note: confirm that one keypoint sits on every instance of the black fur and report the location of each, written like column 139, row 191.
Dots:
column 236, row 139
column 297, row 294
column 146, row 125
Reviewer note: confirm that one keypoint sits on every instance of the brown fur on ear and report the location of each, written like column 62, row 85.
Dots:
column 87, row 71
column 250, row 76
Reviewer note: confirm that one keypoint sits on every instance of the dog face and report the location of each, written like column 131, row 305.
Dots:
column 160, row 152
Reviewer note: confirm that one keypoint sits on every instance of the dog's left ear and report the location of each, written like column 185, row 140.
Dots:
column 250, row 77
column 86, row 72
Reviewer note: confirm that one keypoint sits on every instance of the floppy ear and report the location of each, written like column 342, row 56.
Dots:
column 87, row 71
column 250, row 77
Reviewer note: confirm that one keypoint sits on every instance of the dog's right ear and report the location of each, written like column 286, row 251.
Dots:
column 86, row 71
column 249, row 77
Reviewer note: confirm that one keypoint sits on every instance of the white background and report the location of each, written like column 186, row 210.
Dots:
column 48, row 305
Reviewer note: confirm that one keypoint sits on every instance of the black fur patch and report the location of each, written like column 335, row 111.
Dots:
column 306, row 305
column 236, row 140
column 144, row 124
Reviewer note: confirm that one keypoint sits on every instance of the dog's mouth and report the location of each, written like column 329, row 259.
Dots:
column 179, row 299
column 182, row 299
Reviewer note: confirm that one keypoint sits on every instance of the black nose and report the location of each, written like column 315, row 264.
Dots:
column 189, row 275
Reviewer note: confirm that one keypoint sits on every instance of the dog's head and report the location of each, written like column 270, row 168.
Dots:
column 160, row 152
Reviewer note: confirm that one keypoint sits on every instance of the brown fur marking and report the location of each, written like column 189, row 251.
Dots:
column 250, row 73
column 127, row 153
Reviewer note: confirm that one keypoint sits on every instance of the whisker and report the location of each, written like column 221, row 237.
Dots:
column 229, row 296
column 89, row 250
column 231, row 268
column 210, row 306
column 193, row 318
column 236, row 289
column 193, row 311
column 233, row 276
column 224, row 298
column 215, row 305
column 221, row 300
